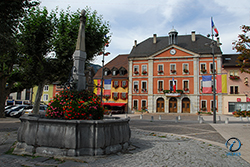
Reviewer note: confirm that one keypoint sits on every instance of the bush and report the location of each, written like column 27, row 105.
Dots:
column 82, row 105
column 241, row 113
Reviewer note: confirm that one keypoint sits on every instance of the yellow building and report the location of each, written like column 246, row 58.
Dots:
column 115, row 83
column 47, row 93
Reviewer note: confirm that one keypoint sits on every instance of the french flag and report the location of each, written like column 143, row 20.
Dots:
column 174, row 86
column 207, row 84
column 213, row 27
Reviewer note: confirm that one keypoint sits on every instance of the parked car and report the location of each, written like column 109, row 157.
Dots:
column 8, row 107
column 15, row 108
column 29, row 110
column 17, row 113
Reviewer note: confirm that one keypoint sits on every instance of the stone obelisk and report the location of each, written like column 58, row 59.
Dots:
column 80, row 55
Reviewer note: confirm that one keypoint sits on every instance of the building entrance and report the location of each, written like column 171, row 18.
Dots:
column 186, row 105
column 172, row 105
column 160, row 105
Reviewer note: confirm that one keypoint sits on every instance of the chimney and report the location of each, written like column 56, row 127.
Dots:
column 193, row 36
column 154, row 38
column 135, row 43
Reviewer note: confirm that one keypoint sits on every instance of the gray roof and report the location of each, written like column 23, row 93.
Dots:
column 230, row 60
column 148, row 48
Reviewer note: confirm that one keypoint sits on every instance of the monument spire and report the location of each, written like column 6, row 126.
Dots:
column 80, row 55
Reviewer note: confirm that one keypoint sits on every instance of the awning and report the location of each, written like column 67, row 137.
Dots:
column 115, row 104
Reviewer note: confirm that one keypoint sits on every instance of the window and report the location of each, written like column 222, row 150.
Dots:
column 171, row 85
column 212, row 104
column 135, row 104
column 203, row 105
column 144, row 68
column 203, row 66
column 116, row 84
column 114, row 72
column 211, row 67
column 185, row 85
column 18, row 97
column 185, row 68
column 123, row 95
column 105, row 73
column 136, row 68
column 144, row 86
column 234, row 73
column 124, row 83
column 45, row 97
column 27, row 95
column 143, row 104
column 234, row 90
column 160, row 85
column 160, row 68
column 136, row 86
column 46, row 88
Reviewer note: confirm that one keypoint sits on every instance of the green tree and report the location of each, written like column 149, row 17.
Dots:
column 10, row 13
column 42, row 33
column 242, row 46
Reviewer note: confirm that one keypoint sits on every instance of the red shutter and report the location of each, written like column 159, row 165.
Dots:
column 112, row 95
column 118, row 95
column 126, row 95
column 126, row 83
column 113, row 82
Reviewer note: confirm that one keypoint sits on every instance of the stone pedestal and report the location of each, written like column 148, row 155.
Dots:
column 52, row 137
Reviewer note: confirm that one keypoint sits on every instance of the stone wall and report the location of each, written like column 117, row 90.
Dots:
column 41, row 136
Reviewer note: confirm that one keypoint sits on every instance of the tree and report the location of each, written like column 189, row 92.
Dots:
column 10, row 13
column 42, row 33
column 242, row 46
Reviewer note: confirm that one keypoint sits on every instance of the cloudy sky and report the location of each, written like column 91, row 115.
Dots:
column 139, row 19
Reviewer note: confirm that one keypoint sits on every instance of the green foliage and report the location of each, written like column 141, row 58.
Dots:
column 242, row 46
column 82, row 105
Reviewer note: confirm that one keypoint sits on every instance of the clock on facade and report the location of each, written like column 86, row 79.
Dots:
column 172, row 51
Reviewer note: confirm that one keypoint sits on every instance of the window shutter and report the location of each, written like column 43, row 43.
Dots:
column 126, row 83
column 113, row 94
column 126, row 95
column 118, row 95
column 113, row 82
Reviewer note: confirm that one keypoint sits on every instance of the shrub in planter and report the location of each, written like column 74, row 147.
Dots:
column 82, row 105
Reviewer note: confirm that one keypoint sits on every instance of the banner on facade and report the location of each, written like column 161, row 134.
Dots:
column 107, row 86
column 207, row 84
column 221, row 83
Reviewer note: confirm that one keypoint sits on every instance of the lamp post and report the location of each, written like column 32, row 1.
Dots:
column 212, row 45
column 103, row 54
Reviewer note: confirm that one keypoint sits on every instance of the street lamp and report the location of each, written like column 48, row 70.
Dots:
column 104, row 54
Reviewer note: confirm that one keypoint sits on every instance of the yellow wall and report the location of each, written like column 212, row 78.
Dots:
column 49, row 92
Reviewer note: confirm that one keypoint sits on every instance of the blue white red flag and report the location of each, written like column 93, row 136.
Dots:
column 174, row 86
column 213, row 27
column 207, row 84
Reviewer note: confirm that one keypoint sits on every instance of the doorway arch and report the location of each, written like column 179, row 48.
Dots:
column 172, row 105
column 185, row 105
column 160, row 105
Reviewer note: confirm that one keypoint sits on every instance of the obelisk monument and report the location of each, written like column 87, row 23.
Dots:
column 80, row 55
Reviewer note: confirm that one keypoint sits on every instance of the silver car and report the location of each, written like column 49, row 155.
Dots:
column 29, row 110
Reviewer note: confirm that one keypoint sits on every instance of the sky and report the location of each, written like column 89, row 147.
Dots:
column 139, row 19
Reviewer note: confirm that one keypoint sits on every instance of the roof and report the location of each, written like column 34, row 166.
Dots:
column 230, row 60
column 148, row 48
column 118, row 62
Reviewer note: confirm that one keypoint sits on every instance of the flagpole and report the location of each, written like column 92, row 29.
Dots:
column 214, row 92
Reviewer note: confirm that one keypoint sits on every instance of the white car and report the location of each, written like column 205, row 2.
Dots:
column 29, row 110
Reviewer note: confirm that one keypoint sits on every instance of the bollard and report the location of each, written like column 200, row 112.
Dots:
column 247, row 118
column 141, row 116
column 199, row 117
column 159, row 117
column 176, row 119
column 110, row 114
column 241, row 118
column 219, row 118
column 201, row 120
column 179, row 117
column 126, row 115
column 227, row 121
column 152, row 118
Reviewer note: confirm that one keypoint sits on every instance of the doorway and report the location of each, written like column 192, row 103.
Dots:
column 173, row 105
column 160, row 105
column 185, row 105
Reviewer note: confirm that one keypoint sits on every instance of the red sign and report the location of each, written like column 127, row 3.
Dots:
column 248, row 99
column 238, row 99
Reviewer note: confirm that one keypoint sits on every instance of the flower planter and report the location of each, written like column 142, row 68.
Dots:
column 41, row 136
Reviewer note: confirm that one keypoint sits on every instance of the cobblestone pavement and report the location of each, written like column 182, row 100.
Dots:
column 153, row 143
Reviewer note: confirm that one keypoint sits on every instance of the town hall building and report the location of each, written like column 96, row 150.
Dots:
column 165, row 74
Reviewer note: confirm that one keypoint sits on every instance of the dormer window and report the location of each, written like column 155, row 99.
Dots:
column 114, row 72
column 105, row 73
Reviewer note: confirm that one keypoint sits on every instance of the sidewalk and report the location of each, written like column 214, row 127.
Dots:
column 149, row 148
